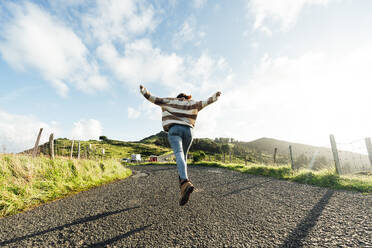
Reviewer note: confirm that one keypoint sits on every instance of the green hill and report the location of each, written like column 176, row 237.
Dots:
column 159, row 139
column 268, row 145
column 104, row 148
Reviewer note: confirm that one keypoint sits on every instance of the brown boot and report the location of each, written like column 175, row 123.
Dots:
column 186, row 189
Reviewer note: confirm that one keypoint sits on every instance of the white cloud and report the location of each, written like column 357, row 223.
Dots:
column 188, row 33
column 285, row 12
column 209, row 74
column 301, row 99
column 132, row 113
column 119, row 20
column 266, row 30
column 141, row 63
column 255, row 45
column 172, row 3
column 86, row 129
column 19, row 132
column 199, row 3
column 66, row 3
column 51, row 48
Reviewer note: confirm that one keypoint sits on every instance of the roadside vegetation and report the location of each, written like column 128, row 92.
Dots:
column 26, row 182
column 323, row 178
column 93, row 149
column 222, row 150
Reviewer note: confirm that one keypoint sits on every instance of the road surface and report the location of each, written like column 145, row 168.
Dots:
column 229, row 209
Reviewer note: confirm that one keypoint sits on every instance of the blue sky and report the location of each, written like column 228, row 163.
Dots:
column 294, row 70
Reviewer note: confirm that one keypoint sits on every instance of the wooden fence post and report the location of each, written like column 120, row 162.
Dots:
column 86, row 151
column 34, row 152
column 223, row 157
column 51, row 146
column 72, row 148
column 43, row 149
column 335, row 154
column 55, row 147
column 260, row 157
column 79, row 150
column 369, row 149
column 291, row 155
column 275, row 151
column 230, row 156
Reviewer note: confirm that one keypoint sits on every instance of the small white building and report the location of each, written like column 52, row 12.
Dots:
column 136, row 157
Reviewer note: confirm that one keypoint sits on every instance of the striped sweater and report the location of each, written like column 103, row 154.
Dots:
column 178, row 110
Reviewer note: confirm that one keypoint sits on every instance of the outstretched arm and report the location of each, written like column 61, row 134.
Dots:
column 151, row 98
column 212, row 99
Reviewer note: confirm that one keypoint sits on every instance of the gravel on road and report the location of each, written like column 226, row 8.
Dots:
column 229, row 209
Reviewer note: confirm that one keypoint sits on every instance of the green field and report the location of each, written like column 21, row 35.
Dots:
column 92, row 149
column 26, row 182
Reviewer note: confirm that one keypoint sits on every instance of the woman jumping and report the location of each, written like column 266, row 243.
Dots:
column 178, row 117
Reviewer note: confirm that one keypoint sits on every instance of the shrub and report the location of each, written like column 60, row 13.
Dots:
column 198, row 156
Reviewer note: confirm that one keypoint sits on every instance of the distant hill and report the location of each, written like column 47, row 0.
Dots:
column 260, row 150
column 264, row 145
column 160, row 139
column 154, row 137
column 314, row 156
column 268, row 145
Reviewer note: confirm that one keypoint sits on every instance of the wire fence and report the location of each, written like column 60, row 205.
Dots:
column 69, row 149
column 353, row 157
column 316, row 158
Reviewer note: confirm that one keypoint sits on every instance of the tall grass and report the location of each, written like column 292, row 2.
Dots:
column 27, row 181
column 322, row 178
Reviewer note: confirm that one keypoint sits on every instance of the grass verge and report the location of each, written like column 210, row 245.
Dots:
column 26, row 182
column 323, row 178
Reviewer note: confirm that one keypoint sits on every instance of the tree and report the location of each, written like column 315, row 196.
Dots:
column 225, row 148
column 239, row 150
column 206, row 145
column 222, row 140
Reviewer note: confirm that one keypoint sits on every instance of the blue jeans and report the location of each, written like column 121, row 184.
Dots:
column 180, row 139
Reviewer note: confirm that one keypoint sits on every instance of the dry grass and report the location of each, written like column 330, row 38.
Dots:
column 27, row 181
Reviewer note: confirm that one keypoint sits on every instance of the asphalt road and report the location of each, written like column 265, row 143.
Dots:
column 229, row 209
